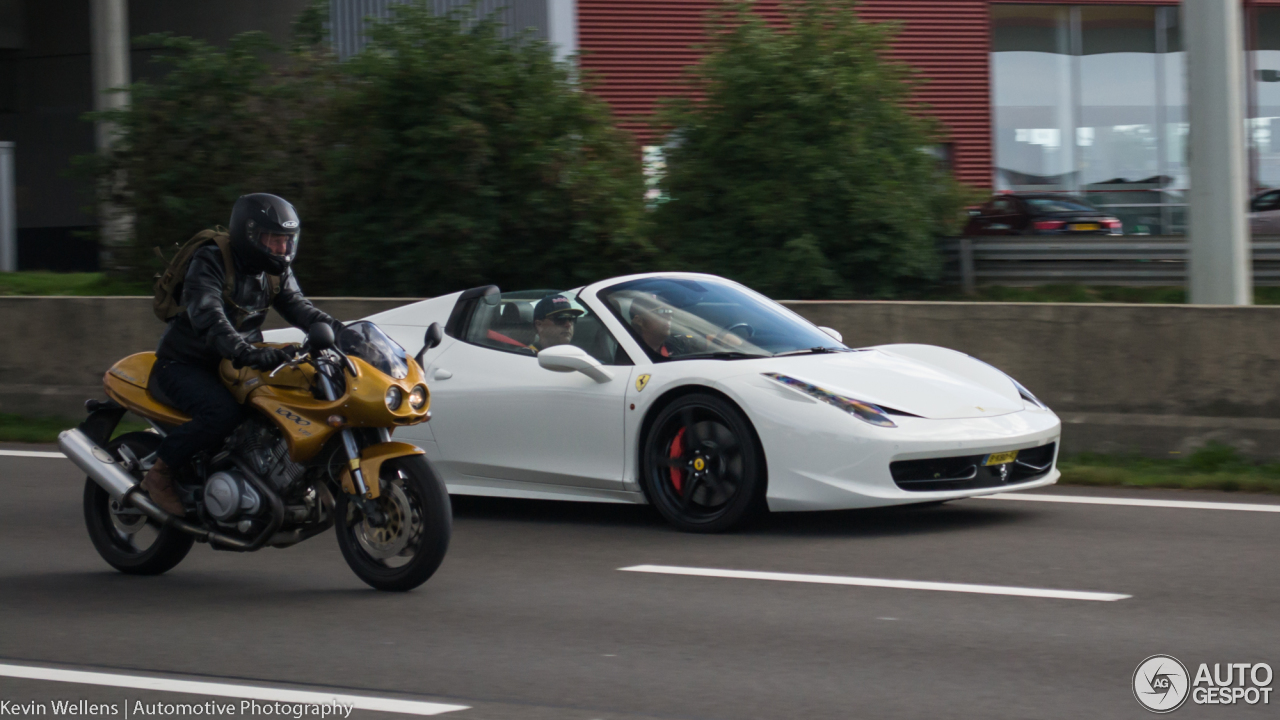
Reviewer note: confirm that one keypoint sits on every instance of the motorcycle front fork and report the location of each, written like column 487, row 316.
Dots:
column 361, row 498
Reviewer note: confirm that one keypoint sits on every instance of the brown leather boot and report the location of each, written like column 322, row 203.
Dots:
column 158, row 485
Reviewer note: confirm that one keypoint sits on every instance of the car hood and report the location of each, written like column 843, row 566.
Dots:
column 923, row 380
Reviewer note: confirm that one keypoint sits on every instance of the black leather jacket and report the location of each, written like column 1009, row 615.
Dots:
column 212, row 329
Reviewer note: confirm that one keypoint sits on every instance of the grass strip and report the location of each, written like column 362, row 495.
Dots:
column 34, row 282
column 1085, row 294
column 1213, row 467
column 17, row 428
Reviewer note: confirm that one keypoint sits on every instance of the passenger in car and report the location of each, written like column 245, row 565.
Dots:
column 554, row 319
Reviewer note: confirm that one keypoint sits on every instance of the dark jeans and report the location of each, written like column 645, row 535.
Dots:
column 199, row 393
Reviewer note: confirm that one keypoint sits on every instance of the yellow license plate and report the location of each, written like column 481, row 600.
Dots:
column 1001, row 458
column 1084, row 226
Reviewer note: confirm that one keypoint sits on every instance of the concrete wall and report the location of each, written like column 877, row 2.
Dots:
column 1158, row 379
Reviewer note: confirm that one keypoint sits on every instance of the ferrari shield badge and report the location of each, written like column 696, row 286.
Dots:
column 641, row 382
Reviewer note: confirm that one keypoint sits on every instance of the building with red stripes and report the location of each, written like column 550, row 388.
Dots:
column 1083, row 97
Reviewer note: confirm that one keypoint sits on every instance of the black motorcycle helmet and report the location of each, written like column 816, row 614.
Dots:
column 264, row 232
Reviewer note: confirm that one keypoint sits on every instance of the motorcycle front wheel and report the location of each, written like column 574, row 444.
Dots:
column 122, row 535
column 405, row 551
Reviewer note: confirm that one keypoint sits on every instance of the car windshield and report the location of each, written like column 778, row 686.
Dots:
column 1055, row 205
column 366, row 341
column 678, row 319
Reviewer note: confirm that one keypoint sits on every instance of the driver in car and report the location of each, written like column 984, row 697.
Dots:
column 652, row 320
column 554, row 319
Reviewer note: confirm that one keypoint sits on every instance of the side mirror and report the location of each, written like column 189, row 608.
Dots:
column 570, row 358
column 320, row 336
column 432, row 338
column 832, row 332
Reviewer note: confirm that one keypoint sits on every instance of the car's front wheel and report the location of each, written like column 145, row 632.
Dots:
column 702, row 466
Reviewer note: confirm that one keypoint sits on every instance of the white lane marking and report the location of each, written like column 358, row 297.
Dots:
column 878, row 582
column 32, row 453
column 244, row 692
column 1134, row 502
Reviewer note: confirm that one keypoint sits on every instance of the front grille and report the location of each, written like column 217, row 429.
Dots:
column 968, row 472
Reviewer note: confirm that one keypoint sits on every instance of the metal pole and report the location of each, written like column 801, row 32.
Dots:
column 8, row 211
column 968, row 279
column 1219, row 260
column 109, row 21
column 562, row 27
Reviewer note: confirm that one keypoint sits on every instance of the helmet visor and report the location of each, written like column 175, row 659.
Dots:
column 283, row 245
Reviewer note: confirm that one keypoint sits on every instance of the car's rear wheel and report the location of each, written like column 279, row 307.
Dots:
column 701, row 465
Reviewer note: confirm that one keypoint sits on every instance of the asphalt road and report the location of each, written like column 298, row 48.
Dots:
column 530, row 617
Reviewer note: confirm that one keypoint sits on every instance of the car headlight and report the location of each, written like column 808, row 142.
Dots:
column 418, row 397
column 1026, row 395
column 395, row 396
column 864, row 411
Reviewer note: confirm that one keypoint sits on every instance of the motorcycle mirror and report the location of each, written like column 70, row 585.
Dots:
column 432, row 338
column 320, row 336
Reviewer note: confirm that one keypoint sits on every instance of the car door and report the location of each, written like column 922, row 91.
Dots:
column 1264, row 216
column 995, row 218
column 497, row 414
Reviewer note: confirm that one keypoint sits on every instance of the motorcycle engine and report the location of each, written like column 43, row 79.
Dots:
column 265, row 450
column 227, row 494
column 231, row 499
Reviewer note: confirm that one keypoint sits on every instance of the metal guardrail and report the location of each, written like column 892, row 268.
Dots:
column 1124, row 260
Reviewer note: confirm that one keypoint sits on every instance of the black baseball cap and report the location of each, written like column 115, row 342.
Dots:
column 554, row 305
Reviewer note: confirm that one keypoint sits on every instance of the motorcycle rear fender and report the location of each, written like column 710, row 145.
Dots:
column 102, row 421
column 371, row 459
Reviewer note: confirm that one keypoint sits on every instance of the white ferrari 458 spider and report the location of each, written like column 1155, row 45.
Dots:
column 709, row 401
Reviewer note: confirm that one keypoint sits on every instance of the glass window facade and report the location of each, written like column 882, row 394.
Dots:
column 1090, row 101
column 1265, row 121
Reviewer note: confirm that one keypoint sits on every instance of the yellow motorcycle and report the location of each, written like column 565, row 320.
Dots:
column 314, row 452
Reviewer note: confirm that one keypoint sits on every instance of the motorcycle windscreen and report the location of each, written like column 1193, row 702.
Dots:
column 366, row 341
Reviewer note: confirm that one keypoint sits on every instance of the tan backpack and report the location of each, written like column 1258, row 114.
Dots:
column 167, row 303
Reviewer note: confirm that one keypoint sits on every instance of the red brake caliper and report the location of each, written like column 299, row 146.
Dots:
column 677, row 450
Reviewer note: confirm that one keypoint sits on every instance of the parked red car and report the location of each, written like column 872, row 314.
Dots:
column 1025, row 214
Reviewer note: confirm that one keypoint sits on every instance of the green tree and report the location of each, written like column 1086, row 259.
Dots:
column 442, row 157
column 798, row 161
column 217, row 124
column 461, row 158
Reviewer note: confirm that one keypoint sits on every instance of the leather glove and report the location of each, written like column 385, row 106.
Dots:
column 267, row 358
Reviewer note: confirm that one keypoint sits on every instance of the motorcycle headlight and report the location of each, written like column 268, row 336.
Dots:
column 864, row 411
column 395, row 396
column 418, row 397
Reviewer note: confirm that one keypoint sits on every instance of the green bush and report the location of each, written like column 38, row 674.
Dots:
column 798, row 163
column 441, row 157
column 463, row 159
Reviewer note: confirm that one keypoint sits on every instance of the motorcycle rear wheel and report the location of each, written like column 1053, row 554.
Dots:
column 406, row 551
column 123, row 536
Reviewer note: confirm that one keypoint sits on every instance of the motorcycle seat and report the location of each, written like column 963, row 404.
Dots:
column 129, row 383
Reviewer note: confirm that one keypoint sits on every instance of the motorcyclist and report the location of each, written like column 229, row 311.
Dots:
column 264, row 232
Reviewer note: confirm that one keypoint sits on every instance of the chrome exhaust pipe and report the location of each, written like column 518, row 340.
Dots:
column 99, row 465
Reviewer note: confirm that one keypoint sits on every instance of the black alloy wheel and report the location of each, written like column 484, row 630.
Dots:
column 702, row 466
column 128, row 540
column 405, row 550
